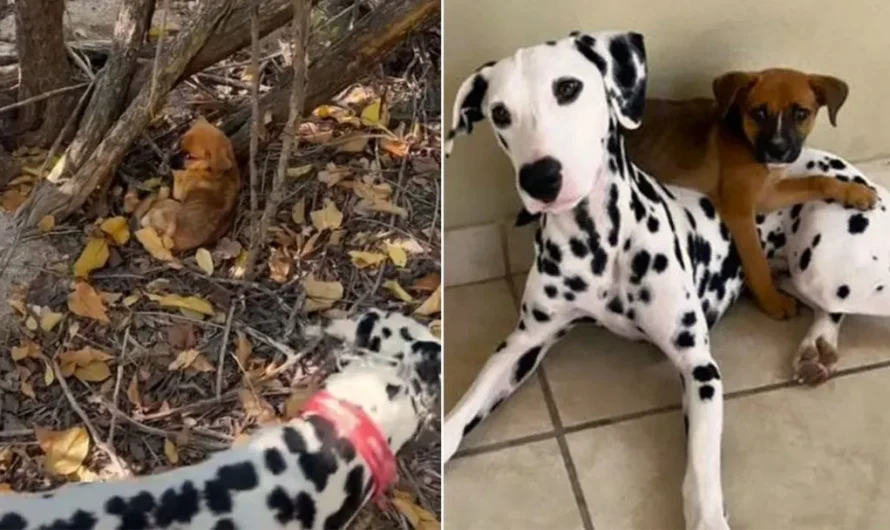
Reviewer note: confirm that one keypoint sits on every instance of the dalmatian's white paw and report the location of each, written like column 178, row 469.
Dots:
column 815, row 362
column 717, row 524
column 450, row 440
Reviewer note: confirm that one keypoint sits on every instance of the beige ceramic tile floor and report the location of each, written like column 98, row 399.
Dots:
column 596, row 439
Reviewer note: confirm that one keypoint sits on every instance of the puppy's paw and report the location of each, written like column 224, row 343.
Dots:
column 815, row 362
column 860, row 196
column 779, row 306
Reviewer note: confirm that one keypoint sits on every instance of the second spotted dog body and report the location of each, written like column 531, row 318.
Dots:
column 617, row 248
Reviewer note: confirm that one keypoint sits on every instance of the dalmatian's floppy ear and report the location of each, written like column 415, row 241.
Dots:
column 621, row 57
column 468, row 105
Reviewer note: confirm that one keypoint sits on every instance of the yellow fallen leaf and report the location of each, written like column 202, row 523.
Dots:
column 65, row 450
column 239, row 267
column 243, row 348
column 192, row 303
column 205, row 261
column 354, row 143
column 26, row 349
column 170, row 451
column 93, row 257
column 26, row 389
column 86, row 302
column 279, row 265
column 132, row 299
column 397, row 254
column 183, row 360
column 255, row 406
column 328, row 217
column 296, row 172
column 49, row 375
column 31, row 323
column 397, row 290
column 310, row 245
column 333, row 174
column 298, row 213
column 153, row 243
column 319, row 294
column 375, row 114
column 83, row 357
column 117, row 228
column 418, row 517
column 94, row 372
column 201, row 364
column 49, row 319
column 46, row 223
column 362, row 259
column 432, row 305
column 133, row 391
column 380, row 205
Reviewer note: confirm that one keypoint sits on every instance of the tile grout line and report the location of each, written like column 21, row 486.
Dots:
column 615, row 420
column 559, row 433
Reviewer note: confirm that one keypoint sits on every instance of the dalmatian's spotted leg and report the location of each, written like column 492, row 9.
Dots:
column 514, row 361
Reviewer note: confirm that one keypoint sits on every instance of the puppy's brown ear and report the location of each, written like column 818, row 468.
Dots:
column 728, row 87
column 222, row 158
column 830, row 92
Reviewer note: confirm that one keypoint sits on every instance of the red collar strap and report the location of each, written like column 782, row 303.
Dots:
column 351, row 422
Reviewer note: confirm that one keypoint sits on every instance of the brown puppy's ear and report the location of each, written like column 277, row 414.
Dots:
column 830, row 92
column 222, row 158
column 727, row 88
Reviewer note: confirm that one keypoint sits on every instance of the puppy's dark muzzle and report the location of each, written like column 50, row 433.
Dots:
column 777, row 150
column 177, row 160
column 542, row 179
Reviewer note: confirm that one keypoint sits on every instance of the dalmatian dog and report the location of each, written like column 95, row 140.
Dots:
column 648, row 262
column 314, row 472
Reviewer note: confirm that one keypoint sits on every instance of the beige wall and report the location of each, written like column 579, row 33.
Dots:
column 687, row 44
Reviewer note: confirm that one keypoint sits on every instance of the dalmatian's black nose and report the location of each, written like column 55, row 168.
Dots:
column 542, row 178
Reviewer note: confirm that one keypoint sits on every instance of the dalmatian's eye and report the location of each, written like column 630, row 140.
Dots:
column 758, row 114
column 566, row 90
column 801, row 114
column 500, row 116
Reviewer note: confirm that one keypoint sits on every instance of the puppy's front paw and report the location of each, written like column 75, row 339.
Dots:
column 779, row 306
column 860, row 196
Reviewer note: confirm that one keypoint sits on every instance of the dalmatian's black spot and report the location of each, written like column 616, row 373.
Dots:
column 816, row 239
column 626, row 246
column 375, row 344
column 637, row 206
column 625, row 73
column 795, row 211
column 468, row 428
column 13, row 521
column 707, row 207
column 705, row 372
column 614, row 215
column 648, row 191
column 843, row 291
column 550, row 291
column 503, row 141
column 805, row 259
column 706, row 392
column 521, row 326
column 280, row 502
column 836, row 317
column 364, row 329
column 879, row 288
column 592, row 56
column 811, row 164
column 178, row 506
column 842, row 178
column 352, row 501
column 526, row 363
column 690, row 218
column 540, row 316
column 677, row 253
column 501, row 346
column 553, row 251
column 471, row 106
column 857, row 223
column 430, row 360
column 549, row 267
column 836, row 164
column 684, row 340
column 652, row 224
column 575, row 283
column 578, row 248
column 223, row 524
column 823, row 166
column 274, row 461
column 777, row 239
column 645, row 295
column 551, row 43
column 639, row 266
column 523, row 308
column 80, row 520
column 686, row 425
column 406, row 334
column 689, row 319
column 392, row 391
column 294, row 440
column 615, row 306
column 660, row 263
column 759, row 218
column 724, row 232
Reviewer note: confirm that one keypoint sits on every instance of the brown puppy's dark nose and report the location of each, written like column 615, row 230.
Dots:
column 177, row 159
column 542, row 179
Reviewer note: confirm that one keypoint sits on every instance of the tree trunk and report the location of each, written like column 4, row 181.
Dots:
column 345, row 63
column 62, row 198
column 44, row 66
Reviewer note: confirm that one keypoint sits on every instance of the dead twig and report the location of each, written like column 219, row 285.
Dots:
column 117, row 385
column 222, row 350
column 41, row 97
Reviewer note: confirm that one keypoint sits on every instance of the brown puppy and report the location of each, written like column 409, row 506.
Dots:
column 735, row 149
column 206, row 182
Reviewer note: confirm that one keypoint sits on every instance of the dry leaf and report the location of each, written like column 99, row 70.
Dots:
column 49, row 375
column 363, row 259
column 31, row 323
column 319, row 294
column 154, row 244
column 397, row 254
column 432, row 305
column 86, row 302
column 65, row 450
column 419, row 517
column 227, row 249
column 428, row 283
column 133, row 391
column 310, row 245
column 354, row 143
column 201, row 364
column 73, row 359
column 93, row 257
column 205, row 260
column 375, row 114
column 333, row 174
column 49, row 319
column 243, row 348
column 117, row 228
column 397, row 290
column 26, row 388
column 132, row 299
column 296, row 172
column 170, row 451
column 239, row 267
column 294, row 404
column 192, row 303
column 26, row 349
column 255, row 406
column 183, row 360
column 395, row 147
column 279, row 265
column 380, row 205
column 298, row 213
column 11, row 200
column 131, row 201
column 94, row 372
column 47, row 223
column 328, row 217
column 313, row 134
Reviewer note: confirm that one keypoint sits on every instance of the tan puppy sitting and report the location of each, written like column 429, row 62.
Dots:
column 735, row 149
column 206, row 182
